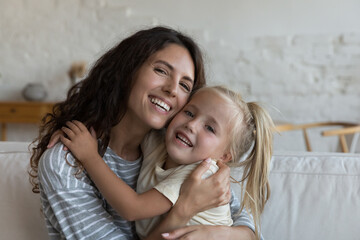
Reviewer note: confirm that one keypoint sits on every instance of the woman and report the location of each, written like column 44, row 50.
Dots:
column 138, row 85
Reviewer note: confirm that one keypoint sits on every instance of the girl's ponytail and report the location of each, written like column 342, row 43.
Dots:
column 256, row 165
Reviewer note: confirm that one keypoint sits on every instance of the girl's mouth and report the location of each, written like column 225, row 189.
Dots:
column 183, row 139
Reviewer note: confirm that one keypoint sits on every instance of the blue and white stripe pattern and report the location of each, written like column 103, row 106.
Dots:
column 72, row 205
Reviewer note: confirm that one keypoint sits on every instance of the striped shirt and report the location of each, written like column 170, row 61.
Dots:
column 75, row 209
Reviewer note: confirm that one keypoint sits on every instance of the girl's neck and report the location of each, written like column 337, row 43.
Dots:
column 169, row 163
column 126, row 137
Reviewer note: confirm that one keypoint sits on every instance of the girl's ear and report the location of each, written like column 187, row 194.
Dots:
column 226, row 157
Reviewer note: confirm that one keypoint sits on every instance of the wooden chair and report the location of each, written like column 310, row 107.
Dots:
column 346, row 128
column 341, row 134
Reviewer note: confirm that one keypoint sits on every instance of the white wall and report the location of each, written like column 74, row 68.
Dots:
column 301, row 57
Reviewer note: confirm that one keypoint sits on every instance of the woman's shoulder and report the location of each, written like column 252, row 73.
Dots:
column 56, row 158
column 57, row 169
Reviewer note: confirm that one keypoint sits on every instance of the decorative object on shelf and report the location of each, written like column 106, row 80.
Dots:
column 77, row 70
column 34, row 92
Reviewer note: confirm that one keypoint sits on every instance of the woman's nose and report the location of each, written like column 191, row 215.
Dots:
column 171, row 87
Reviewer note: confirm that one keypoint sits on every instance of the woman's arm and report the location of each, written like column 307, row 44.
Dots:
column 198, row 195
column 211, row 233
column 121, row 197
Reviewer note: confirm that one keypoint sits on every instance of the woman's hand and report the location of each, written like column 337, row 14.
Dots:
column 199, row 194
column 210, row 233
column 82, row 143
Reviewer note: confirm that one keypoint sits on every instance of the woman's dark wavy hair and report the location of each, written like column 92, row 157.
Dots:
column 100, row 99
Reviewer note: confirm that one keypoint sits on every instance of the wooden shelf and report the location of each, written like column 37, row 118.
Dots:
column 22, row 112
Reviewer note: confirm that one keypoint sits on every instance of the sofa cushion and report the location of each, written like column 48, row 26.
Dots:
column 19, row 207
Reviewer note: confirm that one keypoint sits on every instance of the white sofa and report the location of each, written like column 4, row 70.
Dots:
column 314, row 196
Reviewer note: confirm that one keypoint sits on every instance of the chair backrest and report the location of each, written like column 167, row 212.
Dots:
column 341, row 134
column 345, row 128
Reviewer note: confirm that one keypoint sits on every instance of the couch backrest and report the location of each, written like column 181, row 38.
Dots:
column 313, row 196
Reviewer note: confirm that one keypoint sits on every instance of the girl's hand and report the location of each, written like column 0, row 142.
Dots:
column 55, row 138
column 199, row 194
column 80, row 141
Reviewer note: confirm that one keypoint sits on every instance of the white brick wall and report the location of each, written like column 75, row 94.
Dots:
column 309, row 72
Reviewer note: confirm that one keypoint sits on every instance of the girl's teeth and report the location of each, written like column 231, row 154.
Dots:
column 184, row 140
column 161, row 104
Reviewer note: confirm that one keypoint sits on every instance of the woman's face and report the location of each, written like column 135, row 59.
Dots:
column 162, row 86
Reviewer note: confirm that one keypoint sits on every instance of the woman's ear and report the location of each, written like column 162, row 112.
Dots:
column 226, row 157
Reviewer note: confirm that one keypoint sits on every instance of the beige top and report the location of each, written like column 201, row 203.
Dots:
column 168, row 182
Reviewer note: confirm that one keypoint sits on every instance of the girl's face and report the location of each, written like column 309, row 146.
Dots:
column 162, row 86
column 200, row 130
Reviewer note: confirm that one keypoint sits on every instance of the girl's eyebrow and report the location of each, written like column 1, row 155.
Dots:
column 172, row 68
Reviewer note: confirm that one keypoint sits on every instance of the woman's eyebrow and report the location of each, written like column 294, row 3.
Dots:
column 172, row 68
column 165, row 63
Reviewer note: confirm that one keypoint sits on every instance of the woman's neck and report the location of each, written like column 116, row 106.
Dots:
column 126, row 137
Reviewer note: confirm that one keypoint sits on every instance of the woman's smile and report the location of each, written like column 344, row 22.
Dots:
column 160, row 104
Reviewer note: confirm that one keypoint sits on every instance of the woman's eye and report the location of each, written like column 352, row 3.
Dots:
column 161, row 71
column 188, row 113
column 209, row 128
column 186, row 87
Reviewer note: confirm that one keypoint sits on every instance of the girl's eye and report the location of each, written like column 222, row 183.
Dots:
column 186, row 87
column 188, row 113
column 209, row 128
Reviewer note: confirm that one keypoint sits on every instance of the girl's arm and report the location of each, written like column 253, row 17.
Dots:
column 121, row 197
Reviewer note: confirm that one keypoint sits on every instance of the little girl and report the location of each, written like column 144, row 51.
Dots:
column 216, row 124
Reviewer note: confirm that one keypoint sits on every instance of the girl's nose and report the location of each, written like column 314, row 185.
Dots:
column 191, row 125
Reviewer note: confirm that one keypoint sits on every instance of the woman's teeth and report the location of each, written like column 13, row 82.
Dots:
column 160, row 103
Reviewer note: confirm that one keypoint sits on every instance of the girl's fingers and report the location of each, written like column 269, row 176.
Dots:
column 55, row 138
column 73, row 126
column 92, row 132
column 69, row 132
column 65, row 141
column 80, row 125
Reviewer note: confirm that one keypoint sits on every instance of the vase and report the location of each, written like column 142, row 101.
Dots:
column 34, row 92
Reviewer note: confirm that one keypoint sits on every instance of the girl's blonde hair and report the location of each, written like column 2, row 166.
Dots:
column 251, row 125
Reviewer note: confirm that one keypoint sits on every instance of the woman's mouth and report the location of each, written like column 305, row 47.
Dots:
column 161, row 105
